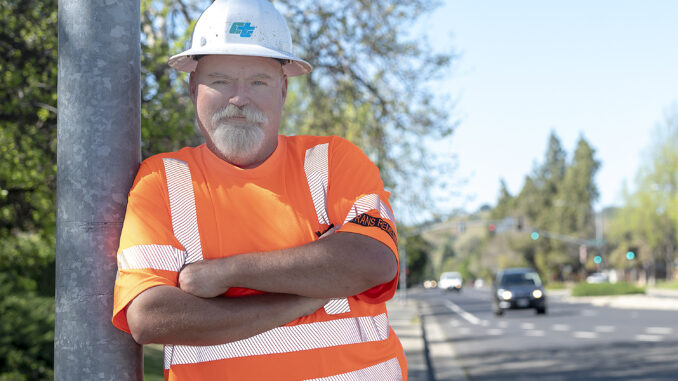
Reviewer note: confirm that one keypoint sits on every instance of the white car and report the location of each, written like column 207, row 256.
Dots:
column 450, row 281
column 597, row 278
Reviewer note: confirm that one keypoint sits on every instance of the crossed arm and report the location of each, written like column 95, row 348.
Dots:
column 300, row 280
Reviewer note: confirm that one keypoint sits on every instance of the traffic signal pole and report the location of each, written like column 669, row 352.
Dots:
column 98, row 154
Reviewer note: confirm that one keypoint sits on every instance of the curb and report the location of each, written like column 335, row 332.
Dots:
column 441, row 352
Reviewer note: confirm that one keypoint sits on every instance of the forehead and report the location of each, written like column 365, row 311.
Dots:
column 237, row 66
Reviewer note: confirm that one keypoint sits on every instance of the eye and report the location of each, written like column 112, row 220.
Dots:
column 259, row 83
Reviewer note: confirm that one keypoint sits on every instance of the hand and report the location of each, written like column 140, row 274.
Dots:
column 203, row 279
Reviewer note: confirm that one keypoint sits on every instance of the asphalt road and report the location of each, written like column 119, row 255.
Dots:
column 573, row 341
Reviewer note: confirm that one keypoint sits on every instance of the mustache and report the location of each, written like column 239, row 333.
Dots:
column 250, row 113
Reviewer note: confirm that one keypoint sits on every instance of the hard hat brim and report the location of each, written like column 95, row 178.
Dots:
column 184, row 61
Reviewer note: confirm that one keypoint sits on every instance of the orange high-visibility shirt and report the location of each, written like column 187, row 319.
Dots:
column 307, row 184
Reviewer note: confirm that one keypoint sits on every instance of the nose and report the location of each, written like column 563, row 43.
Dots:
column 239, row 97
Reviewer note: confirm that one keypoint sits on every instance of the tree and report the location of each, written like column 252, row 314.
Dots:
column 649, row 217
column 369, row 84
column 28, row 47
column 537, row 200
column 418, row 253
column 505, row 203
column 573, row 208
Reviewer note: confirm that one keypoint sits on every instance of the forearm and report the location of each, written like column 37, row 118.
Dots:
column 168, row 315
column 340, row 265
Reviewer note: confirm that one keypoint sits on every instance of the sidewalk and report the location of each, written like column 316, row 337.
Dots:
column 424, row 344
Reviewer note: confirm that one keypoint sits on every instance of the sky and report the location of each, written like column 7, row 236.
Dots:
column 606, row 70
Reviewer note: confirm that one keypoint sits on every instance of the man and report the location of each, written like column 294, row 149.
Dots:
column 257, row 256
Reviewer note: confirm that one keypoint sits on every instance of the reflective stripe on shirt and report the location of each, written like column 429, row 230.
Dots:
column 156, row 257
column 286, row 339
column 317, row 174
column 182, row 207
column 367, row 203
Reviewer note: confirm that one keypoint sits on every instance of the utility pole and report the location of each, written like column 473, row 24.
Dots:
column 98, row 154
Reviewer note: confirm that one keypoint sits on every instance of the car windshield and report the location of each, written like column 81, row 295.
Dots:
column 526, row 279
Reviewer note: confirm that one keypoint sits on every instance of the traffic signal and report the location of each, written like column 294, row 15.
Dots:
column 597, row 259
column 631, row 253
column 492, row 228
column 534, row 235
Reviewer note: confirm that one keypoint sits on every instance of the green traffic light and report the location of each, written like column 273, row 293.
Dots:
column 630, row 255
column 597, row 259
column 534, row 236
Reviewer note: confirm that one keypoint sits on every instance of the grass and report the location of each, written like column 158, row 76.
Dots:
column 668, row 285
column 556, row 286
column 601, row 289
column 153, row 363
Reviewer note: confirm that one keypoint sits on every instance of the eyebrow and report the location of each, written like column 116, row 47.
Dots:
column 225, row 76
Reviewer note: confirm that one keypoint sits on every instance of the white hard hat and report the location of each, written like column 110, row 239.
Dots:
column 243, row 28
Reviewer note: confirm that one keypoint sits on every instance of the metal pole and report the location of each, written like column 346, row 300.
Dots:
column 402, row 253
column 98, row 154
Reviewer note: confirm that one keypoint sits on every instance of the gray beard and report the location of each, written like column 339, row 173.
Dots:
column 240, row 143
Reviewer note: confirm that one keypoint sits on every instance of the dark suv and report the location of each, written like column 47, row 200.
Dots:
column 518, row 288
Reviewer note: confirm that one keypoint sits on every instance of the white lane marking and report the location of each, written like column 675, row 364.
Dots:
column 604, row 329
column 536, row 332
column 455, row 323
column 658, row 330
column 527, row 326
column 502, row 324
column 589, row 313
column 464, row 330
column 495, row 332
column 560, row 327
column 485, row 323
column 652, row 338
column 466, row 315
column 585, row 335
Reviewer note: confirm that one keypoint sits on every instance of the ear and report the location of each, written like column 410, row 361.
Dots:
column 192, row 87
column 284, row 88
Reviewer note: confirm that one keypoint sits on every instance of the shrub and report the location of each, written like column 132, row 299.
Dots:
column 600, row 289
column 671, row 285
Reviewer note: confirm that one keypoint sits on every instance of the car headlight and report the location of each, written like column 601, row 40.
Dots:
column 504, row 294
column 537, row 294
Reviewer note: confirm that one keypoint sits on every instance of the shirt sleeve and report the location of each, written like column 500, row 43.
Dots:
column 358, row 202
column 149, row 255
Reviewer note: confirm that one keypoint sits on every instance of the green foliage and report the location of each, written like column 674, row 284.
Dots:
column 667, row 285
column 601, row 289
column 28, row 77
column 167, row 118
column 558, row 198
column 556, row 286
column 505, row 204
column 417, row 250
column 649, row 218
column 27, row 338
column 364, row 61
column 153, row 363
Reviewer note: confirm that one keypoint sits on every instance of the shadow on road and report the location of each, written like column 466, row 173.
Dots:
column 611, row 361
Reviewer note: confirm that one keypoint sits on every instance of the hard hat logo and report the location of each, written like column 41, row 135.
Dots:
column 242, row 28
